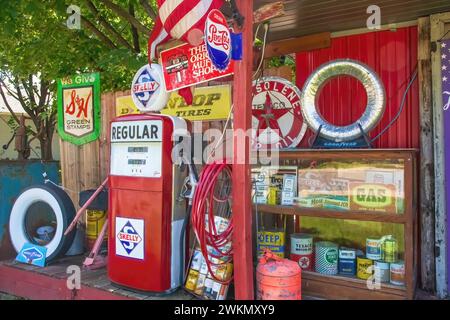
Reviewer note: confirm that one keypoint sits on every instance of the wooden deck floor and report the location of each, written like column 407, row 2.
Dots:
column 50, row 283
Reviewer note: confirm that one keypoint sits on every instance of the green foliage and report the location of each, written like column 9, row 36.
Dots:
column 34, row 39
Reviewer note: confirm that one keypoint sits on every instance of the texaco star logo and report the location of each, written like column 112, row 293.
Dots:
column 303, row 262
column 277, row 117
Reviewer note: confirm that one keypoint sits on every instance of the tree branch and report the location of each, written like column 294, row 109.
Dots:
column 33, row 115
column 134, row 31
column 7, row 104
column 89, row 25
column 121, row 12
column 149, row 9
column 105, row 24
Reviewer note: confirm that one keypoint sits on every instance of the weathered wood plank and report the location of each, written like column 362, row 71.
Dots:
column 426, row 195
column 294, row 45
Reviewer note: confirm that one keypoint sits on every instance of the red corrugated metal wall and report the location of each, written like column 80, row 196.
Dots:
column 393, row 55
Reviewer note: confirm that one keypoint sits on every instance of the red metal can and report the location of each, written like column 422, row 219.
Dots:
column 278, row 279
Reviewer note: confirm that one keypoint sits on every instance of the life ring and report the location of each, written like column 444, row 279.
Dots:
column 376, row 99
column 63, row 210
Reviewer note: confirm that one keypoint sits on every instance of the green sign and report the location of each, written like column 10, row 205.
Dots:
column 79, row 108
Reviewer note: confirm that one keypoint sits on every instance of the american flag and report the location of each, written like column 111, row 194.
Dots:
column 445, row 63
column 176, row 18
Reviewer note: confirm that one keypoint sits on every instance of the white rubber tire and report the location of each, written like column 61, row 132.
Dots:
column 63, row 209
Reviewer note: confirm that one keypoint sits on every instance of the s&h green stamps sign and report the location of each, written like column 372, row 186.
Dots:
column 79, row 108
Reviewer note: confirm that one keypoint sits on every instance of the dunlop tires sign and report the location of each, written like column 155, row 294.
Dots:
column 209, row 103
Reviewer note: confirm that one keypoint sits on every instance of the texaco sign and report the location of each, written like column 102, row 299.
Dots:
column 277, row 118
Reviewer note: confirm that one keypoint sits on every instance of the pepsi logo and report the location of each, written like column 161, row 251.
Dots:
column 218, row 39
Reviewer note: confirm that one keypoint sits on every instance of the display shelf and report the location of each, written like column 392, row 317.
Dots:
column 319, row 213
column 339, row 287
column 354, row 165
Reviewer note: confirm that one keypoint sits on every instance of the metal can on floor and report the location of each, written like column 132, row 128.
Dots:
column 302, row 250
column 398, row 273
column 95, row 219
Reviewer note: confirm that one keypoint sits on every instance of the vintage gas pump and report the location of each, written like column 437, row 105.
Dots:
column 146, row 220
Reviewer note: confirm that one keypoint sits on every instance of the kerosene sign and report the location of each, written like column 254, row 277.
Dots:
column 79, row 108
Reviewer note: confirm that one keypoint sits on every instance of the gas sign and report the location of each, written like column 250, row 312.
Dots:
column 372, row 196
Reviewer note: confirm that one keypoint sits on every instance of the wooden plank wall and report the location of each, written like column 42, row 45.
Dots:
column 85, row 167
column 426, row 157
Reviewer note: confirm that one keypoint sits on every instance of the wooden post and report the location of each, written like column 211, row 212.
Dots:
column 439, row 26
column 426, row 195
column 242, row 207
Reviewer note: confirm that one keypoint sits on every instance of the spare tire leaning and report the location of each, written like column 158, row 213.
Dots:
column 63, row 209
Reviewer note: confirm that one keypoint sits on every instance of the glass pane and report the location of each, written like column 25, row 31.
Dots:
column 352, row 185
column 359, row 236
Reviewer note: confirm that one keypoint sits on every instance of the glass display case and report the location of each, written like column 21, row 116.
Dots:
column 357, row 202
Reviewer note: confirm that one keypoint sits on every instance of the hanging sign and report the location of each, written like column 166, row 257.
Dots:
column 217, row 38
column 148, row 90
column 209, row 103
column 277, row 117
column 185, row 66
column 79, row 108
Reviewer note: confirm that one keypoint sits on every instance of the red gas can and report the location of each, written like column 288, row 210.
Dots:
column 278, row 279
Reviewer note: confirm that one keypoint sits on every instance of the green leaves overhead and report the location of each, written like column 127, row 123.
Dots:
column 34, row 39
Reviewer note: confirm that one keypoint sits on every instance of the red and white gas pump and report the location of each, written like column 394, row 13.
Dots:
column 146, row 220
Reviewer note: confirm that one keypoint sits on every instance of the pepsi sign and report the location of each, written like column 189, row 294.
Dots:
column 218, row 39
column 148, row 90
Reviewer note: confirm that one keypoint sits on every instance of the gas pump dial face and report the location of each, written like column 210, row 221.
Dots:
column 136, row 148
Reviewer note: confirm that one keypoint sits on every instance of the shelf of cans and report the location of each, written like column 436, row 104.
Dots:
column 199, row 281
column 378, row 263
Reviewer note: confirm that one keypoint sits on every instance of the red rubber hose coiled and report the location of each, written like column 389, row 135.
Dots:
column 202, row 217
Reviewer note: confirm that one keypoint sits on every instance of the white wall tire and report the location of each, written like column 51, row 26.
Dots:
column 63, row 210
column 376, row 99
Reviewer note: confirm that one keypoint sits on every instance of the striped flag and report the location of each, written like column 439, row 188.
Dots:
column 177, row 18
